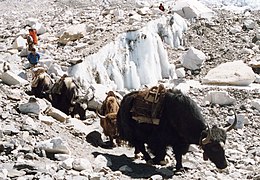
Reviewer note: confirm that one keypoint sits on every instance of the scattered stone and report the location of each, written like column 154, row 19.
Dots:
column 10, row 129
column 156, row 177
column 55, row 146
column 57, row 114
column 3, row 173
column 19, row 43
column 82, row 164
column 10, row 78
column 15, row 173
column 193, row 59
column 101, row 162
column 192, row 10
column 67, row 163
column 180, row 72
column 61, row 157
column 219, row 97
column 256, row 104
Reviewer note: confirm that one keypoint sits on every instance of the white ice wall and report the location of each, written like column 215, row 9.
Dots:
column 135, row 58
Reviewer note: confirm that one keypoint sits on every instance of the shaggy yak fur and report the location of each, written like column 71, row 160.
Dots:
column 41, row 83
column 65, row 97
column 108, row 119
column 181, row 124
column 63, row 94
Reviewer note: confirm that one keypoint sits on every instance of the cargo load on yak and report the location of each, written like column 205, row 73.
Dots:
column 147, row 105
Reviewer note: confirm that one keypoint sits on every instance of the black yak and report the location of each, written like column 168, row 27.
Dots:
column 180, row 124
column 65, row 96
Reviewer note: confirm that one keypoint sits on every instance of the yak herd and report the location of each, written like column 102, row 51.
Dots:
column 149, row 120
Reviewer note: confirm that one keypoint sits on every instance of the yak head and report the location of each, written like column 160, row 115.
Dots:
column 212, row 143
column 111, row 105
column 80, row 107
column 80, row 103
column 108, row 123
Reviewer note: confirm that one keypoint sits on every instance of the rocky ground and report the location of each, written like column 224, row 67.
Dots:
column 20, row 133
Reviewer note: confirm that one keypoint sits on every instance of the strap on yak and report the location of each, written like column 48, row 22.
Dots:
column 154, row 93
column 148, row 105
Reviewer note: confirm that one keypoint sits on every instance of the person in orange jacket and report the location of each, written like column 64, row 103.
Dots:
column 33, row 34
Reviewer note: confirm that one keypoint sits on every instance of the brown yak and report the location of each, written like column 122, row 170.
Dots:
column 109, row 111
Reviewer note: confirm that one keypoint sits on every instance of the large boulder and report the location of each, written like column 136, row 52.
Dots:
column 11, row 78
column 230, row 73
column 193, row 59
column 219, row 97
column 34, row 105
column 19, row 43
column 72, row 33
column 55, row 145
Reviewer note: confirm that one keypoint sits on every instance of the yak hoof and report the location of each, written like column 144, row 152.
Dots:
column 138, row 156
column 180, row 171
column 160, row 162
column 149, row 162
column 163, row 162
column 119, row 142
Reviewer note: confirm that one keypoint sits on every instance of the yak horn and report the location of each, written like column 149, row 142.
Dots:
column 206, row 140
column 99, row 115
column 233, row 124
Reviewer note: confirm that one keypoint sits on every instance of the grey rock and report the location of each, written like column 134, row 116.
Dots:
column 13, row 173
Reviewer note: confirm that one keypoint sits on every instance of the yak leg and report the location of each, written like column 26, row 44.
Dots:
column 179, row 151
column 111, row 141
column 178, row 158
column 159, row 156
column 141, row 148
column 159, row 151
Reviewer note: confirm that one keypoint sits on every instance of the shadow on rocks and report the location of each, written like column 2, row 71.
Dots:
column 138, row 170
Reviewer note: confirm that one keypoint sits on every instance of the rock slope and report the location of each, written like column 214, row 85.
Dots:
column 35, row 146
